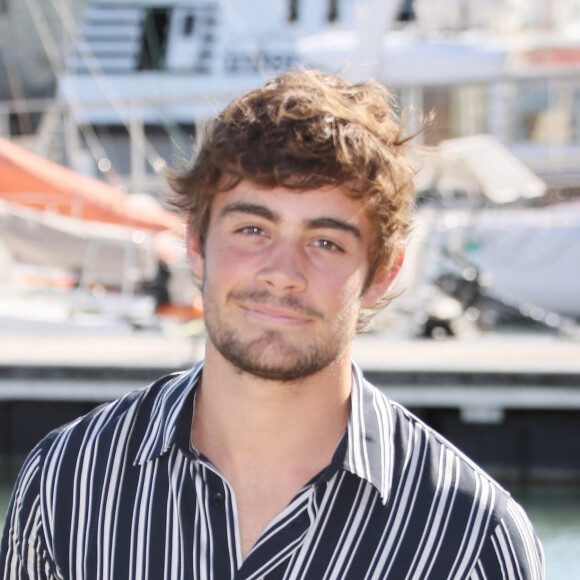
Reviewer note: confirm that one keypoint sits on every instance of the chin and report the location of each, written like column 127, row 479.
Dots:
column 276, row 359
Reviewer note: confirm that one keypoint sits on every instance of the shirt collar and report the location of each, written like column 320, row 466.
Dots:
column 167, row 414
column 371, row 441
column 370, row 446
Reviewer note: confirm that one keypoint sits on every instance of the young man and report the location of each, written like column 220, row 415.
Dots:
column 274, row 458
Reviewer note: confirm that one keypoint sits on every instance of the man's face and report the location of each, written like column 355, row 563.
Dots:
column 283, row 274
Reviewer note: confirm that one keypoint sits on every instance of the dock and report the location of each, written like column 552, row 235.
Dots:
column 511, row 402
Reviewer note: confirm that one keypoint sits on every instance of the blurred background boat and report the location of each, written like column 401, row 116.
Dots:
column 118, row 92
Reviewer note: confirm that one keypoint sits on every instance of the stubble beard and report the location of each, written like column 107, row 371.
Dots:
column 271, row 355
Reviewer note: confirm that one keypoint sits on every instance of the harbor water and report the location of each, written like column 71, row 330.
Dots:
column 554, row 510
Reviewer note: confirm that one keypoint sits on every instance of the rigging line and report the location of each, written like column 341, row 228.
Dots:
column 46, row 36
column 142, row 143
column 170, row 125
column 149, row 152
column 15, row 84
column 96, row 71
column 57, row 65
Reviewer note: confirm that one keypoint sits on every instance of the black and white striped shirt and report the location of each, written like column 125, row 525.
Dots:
column 119, row 494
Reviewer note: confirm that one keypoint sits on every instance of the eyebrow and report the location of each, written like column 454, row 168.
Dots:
column 267, row 213
column 251, row 209
column 335, row 224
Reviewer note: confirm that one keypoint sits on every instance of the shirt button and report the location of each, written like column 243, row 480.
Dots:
column 217, row 499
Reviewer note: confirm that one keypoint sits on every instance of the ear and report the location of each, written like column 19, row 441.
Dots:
column 194, row 251
column 383, row 280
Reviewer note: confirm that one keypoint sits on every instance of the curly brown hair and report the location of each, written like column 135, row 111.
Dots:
column 305, row 130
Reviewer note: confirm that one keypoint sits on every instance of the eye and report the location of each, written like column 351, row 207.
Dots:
column 252, row 231
column 327, row 245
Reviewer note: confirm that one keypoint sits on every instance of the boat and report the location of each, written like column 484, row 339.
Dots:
column 96, row 253
column 141, row 78
column 486, row 244
column 139, row 71
column 33, row 181
column 105, row 243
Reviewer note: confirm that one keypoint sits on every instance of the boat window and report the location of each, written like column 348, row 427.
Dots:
column 407, row 12
column 333, row 11
column 546, row 112
column 154, row 39
column 188, row 23
column 293, row 10
column 459, row 110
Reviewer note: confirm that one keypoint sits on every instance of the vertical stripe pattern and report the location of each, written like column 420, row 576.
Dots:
column 119, row 494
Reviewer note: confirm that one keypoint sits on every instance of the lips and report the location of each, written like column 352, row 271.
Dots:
column 281, row 316
column 263, row 305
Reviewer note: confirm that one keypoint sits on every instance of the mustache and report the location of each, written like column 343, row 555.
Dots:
column 267, row 298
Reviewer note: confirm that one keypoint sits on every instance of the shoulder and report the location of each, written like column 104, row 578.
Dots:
column 93, row 438
column 74, row 455
column 512, row 549
column 120, row 415
column 438, row 463
column 479, row 519
column 124, row 413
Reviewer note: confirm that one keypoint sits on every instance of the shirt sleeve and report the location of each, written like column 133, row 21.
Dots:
column 513, row 551
column 23, row 552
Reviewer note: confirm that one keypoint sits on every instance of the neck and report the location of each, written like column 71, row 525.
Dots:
column 244, row 423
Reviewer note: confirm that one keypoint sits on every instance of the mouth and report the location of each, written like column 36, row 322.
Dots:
column 285, row 310
column 275, row 315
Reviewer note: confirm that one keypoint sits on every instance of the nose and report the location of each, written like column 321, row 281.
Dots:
column 283, row 269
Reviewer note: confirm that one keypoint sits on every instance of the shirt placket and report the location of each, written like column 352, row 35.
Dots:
column 218, row 528
column 279, row 542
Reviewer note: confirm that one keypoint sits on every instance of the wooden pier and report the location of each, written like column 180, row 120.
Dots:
column 511, row 403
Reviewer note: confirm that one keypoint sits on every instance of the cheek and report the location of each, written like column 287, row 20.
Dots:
column 221, row 257
column 227, row 268
column 345, row 292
